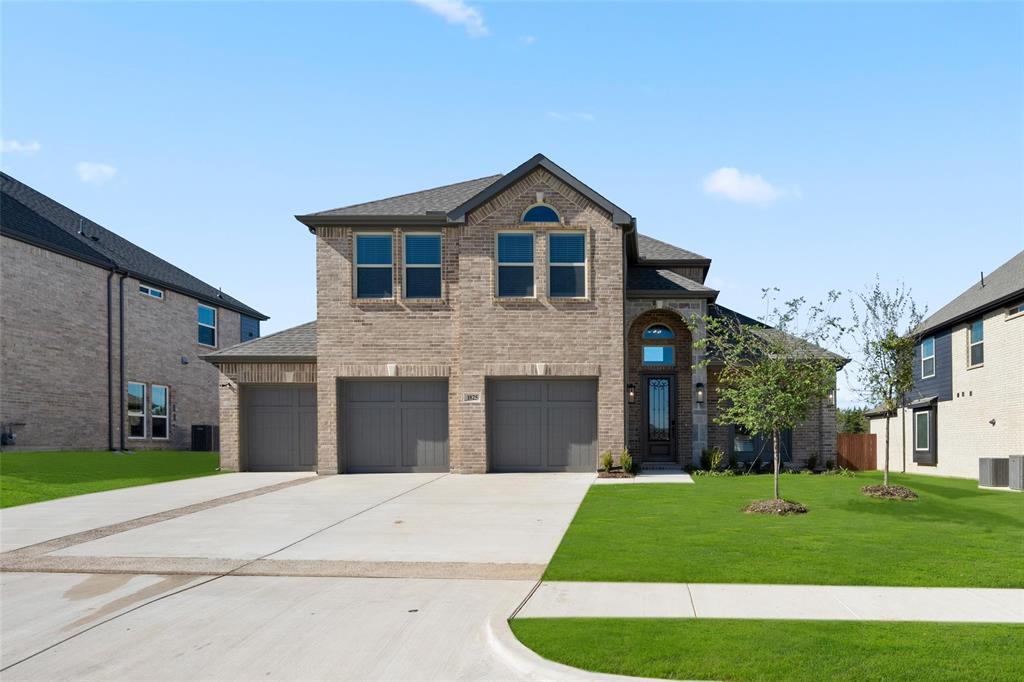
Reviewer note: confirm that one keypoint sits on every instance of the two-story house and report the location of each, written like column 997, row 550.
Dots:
column 968, row 395
column 510, row 323
column 100, row 340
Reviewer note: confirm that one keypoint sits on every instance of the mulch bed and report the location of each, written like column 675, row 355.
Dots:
column 780, row 507
column 892, row 492
column 615, row 474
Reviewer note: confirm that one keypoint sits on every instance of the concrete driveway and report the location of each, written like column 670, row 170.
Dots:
column 387, row 576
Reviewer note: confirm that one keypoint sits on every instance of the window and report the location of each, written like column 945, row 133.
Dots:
column 659, row 355
column 541, row 213
column 422, row 266
column 567, row 261
column 928, row 358
column 136, row 410
column 515, row 264
column 207, row 318
column 922, row 430
column 151, row 291
column 658, row 332
column 373, row 266
column 976, row 344
column 158, row 411
column 1015, row 310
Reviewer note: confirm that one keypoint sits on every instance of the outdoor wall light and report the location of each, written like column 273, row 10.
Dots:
column 631, row 393
column 832, row 398
column 700, row 394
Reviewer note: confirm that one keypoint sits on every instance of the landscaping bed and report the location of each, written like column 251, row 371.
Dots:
column 37, row 476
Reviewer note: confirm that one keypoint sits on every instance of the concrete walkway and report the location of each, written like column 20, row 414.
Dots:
column 650, row 476
column 799, row 602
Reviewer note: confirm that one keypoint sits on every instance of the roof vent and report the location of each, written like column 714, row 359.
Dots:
column 982, row 279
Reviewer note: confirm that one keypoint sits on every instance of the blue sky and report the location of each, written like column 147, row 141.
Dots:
column 804, row 146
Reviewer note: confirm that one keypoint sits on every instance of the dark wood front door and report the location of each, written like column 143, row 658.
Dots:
column 659, row 444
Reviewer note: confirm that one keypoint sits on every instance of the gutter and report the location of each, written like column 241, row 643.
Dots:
column 375, row 221
column 974, row 312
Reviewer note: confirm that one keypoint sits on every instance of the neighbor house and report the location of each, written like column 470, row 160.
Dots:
column 968, row 395
column 510, row 323
column 99, row 339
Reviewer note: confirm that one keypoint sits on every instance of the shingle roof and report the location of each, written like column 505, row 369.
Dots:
column 813, row 350
column 640, row 278
column 442, row 199
column 31, row 216
column 653, row 249
column 1002, row 285
column 296, row 344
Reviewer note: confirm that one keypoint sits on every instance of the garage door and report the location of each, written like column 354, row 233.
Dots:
column 395, row 425
column 279, row 427
column 542, row 425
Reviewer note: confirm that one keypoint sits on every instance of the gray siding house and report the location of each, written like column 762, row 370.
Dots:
column 513, row 322
column 100, row 340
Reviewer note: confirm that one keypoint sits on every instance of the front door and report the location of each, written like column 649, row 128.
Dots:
column 659, row 444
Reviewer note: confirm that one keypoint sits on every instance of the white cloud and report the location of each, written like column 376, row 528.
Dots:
column 571, row 116
column 745, row 188
column 18, row 147
column 527, row 40
column 96, row 173
column 458, row 12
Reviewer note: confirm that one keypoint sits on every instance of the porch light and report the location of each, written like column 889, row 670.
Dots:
column 631, row 393
column 832, row 398
column 700, row 394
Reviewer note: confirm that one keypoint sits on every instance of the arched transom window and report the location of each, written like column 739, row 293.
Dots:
column 541, row 213
column 655, row 351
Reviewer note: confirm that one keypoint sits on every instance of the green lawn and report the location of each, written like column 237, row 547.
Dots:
column 954, row 535
column 783, row 650
column 36, row 476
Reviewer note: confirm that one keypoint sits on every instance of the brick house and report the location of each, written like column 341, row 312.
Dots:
column 968, row 395
column 100, row 340
column 510, row 323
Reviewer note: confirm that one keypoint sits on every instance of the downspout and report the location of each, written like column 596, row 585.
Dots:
column 110, row 361
column 121, row 383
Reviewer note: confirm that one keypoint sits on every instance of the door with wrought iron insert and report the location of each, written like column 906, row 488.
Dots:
column 660, row 426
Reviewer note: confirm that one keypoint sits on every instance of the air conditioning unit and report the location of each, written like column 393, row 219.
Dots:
column 1016, row 472
column 994, row 472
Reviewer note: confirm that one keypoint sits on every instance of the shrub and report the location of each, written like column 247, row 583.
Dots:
column 626, row 460
column 711, row 459
column 812, row 462
column 607, row 460
column 840, row 471
column 830, row 464
column 705, row 459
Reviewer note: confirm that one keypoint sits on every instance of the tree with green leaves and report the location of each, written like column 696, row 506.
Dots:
column 853, row 420
column 775, row 371
column 883, row 324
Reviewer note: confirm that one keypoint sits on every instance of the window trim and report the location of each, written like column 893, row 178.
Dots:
column 498, row 265
column 928, row 357
column 203, row 324
column 406, row 265
column 585, row 264
column 166, row 417
column 356, row 264
column 972, row 344
column 927, row 431
column 524, row 221
column 130, row 414
column 151, row 291
column 1019, row 307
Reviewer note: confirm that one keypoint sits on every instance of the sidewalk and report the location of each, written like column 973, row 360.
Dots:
column 797, row 602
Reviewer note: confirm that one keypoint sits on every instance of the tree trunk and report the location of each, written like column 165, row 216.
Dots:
column 885, row 476
column 775, row 460
column 903, row 436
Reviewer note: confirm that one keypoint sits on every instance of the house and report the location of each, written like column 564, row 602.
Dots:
column 513, row 322
column 100, row 340
column 968, row 395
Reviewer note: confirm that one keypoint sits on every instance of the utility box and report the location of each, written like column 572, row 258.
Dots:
column 994, row 472
column 1016, row 472
column 205, row 437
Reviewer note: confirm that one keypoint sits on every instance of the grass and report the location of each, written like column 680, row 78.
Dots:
column 37, row 476
column 790, row 651
column 955, row 535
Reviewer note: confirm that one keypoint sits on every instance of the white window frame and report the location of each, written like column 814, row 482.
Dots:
column 152, row 292
column 972, row 344
column 927, row 432
column 203, row 324
column 356, row 264
column 585, row 264
column 928, row 357
column 498, row 265
column 166, row 417
column 145, row 407
column 1015, row 311
column 406, row 265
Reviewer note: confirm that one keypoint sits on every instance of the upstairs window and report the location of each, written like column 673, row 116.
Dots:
column 567, row 260
column 1015, row 310
column 207, row 318
column 158, row 411
column 541, row 213
column 515, row 264
column 373, row 266
column 136, row 409
column 153, row 292
column 976, row 344
column 928, row 358
column 422, row 266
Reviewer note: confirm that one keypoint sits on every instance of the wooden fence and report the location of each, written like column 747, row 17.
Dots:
column 857, row 451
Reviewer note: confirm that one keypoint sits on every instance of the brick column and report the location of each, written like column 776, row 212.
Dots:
column 700, row 376
column 229, row 423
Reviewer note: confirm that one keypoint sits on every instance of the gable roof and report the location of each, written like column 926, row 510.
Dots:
column 813, row 350
column 297, row 344
column 30, row 216
column 651, row 249
column 1003, row 285
column 641, row 281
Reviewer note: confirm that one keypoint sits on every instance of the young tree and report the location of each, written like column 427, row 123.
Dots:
column 853, row 420
column 773, row 372
column 883, row 324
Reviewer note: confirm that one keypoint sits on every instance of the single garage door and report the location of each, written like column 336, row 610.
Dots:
column 279, row 427
column 542, row 425
column 396, row 425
